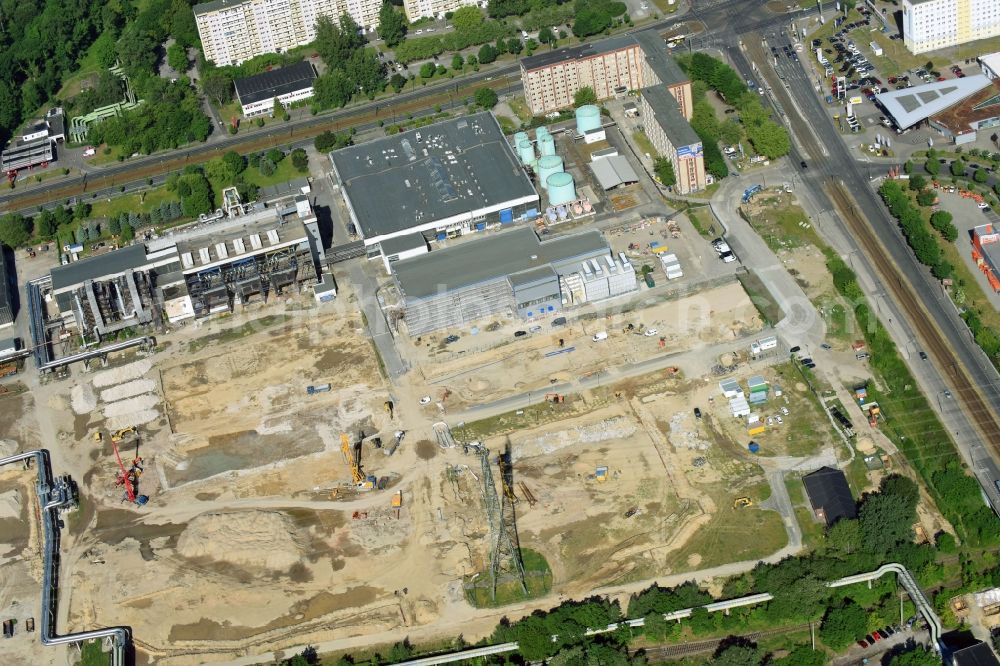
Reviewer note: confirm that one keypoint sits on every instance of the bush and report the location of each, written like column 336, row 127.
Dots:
column 933, row 167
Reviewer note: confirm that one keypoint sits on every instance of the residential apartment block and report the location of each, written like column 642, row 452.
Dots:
column 436, row 8
column 630, row 62
column 929, row 25
column 232, row 31
column 638, row 62
column 673, row 138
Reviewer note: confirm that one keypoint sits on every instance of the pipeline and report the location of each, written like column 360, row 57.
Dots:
column 83, row 356
column 53, row 495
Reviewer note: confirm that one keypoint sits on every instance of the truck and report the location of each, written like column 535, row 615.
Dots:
column 320, row 388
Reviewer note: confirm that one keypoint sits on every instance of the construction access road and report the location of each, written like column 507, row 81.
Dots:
column 840, row 185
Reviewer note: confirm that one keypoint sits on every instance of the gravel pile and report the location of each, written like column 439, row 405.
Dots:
column 123, row 374
column 129, row 405
column 127, row 390
column 82, row 398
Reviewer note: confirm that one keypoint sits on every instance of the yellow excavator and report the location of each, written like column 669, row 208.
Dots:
column 742, row 502
column 119, row 435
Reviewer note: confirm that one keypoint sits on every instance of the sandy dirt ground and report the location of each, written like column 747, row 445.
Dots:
column 492, row 364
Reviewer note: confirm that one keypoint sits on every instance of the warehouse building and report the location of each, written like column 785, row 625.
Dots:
column 194, row 273
column 8, row 287
column 288, row 85
column 512, row 274
column 446, row 179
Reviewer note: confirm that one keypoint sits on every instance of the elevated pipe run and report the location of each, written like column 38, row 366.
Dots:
column 83, row 356
column 52, row 495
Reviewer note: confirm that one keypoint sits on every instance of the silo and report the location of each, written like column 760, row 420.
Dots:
column 548, row 165
column 588, row 117
column 520, row 136
column 561, row 188
column 546, row 145
column 526, row 151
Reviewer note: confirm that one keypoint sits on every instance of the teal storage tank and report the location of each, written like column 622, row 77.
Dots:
column 526, row 151
column 519, row 137
column 588, row 117
column 546, row 145
column 548, row 165
column 561, row 188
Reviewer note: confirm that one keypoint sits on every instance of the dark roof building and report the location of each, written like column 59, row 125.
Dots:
column 571, row 53
column 829, row 495
column 668, row 114
column 445, row 176
column 288, row 84
column 8, row 287
column 978, row 654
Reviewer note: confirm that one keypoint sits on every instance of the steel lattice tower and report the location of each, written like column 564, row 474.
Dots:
column 505, row 553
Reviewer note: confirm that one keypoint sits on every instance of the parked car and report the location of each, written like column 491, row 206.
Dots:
column 727, row 257
column 450, row 339
column 520, row 334
column 603, row 335
column 923, row 356
column 559, row 321
column 862, row 643
column 697, row 412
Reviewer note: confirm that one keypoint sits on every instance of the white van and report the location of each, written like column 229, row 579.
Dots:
column 603, row 335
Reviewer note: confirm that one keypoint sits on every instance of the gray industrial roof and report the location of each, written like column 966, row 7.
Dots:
column 532, row 276
column 613, row 171
column 658, row 59
column 277, row 82
column 214, row 5
column 979, row 654
column 911, row 105
column 455, row 167
column 399, row 244
column 828, row 490
column 489, row 258
column 7, row 278
column 291, row 188
column 94, row 268
column 668, row 115
column 570, row 53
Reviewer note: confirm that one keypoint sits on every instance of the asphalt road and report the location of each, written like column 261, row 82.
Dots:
column 832, row 161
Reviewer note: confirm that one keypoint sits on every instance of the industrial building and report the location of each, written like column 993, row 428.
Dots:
column 930, row 25
column 829, row 495
column 986, row 253
column 209, row 268
column 613, row 66
column 990, row 65
column 513, row 273
column 911, row 106
column 673, row 138
column 233, row 31
column 8, row 287
column 294, row 83
column 446, row 179
column 962, row 122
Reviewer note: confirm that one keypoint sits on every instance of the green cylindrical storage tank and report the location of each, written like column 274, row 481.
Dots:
column 542, row 131
column 548, row 165
column 526, row 151
column 561, row 188
column 588, row 117
column 519, row 137
column 546, row 145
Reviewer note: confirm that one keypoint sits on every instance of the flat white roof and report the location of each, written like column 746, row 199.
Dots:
column 991, row 60
column 911, row 105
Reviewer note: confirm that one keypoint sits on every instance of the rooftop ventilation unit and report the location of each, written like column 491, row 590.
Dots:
column 255, row 241
column 272, row 236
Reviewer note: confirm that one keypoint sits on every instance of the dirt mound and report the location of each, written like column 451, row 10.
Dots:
column 82, row 398
column 247, row 538
column 426, row 449
column 10, row 504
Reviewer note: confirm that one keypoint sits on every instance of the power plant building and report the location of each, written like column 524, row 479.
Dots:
column 513, row 273
column 446, row 179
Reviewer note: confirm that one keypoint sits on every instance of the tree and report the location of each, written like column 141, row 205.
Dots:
column 278, row 110
column 915, row 657
column 329, row 141
column 769, row 139
column 114, row 226
column 844, row 536
column 235, row 163
column 46, row 224
column 487, row 54
column 391, row 24
column 486, row 98
column 457, row 62
column 366, row 71
column 887, row 520
column 300, row 160
column 917, row 183
column 266, row 167
column 664, row 170
column 200, row 198
column 933, row 167
column 275, row 155
column 15, row 230
column 332, row 89
column 957, row 168
column 926, row 197
column 335, row 42
column 980, row 176
column 136, row 50
column 730, row 132
column 467, row 19
column 126, row 235
column 514, row 45
column 398, row 82
column 545, row 35
column 843, row 624
column 584, row 96
column 473, row 62
column 177, row 58
column 218, row 88
column 908, row 167
column 738, row 654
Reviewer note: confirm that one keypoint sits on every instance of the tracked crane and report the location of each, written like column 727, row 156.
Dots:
column 129, row 478
column 352, row 454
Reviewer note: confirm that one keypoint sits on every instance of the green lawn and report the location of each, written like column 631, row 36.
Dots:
column 769, row 310
column 537, row 578
column 140, row 202
column 91, row 655
column 645, row 145
column 520, row 108
column 732, row 535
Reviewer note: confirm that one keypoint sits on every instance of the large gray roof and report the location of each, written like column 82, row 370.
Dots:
column 7, row 278
column 570, row 53
column 99, row 267
column 668, row 115
column 490, row 258
column 275, row 83
column 215, row 5
column 455, row 167
column 911, row 105
column 659, row 60
column 613, row 171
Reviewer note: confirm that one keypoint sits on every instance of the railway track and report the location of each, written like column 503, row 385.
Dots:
column 667, row 652
column 934, row 343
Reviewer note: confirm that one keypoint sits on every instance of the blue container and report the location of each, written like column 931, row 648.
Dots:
column 480, row 226
column 754, row 447
column 441, row 235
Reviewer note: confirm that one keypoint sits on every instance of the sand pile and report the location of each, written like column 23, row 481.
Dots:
column 247, row 538
column 123, row 374
column 10, row 504
column 82, row 398
column 129, row 405
column 127, row 390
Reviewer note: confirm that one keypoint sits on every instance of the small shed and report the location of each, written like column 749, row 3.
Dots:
column 739, row 406
column 756, row 383
column 829, row 495
column 730, row 388
column 326, row 289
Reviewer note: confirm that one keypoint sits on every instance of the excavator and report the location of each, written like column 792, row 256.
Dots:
column 120, row 435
